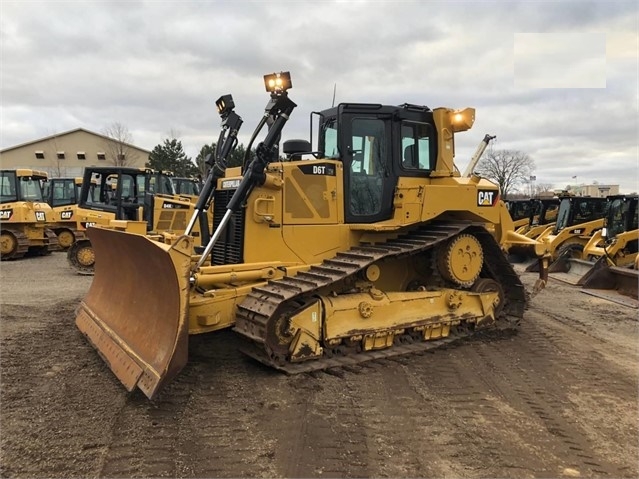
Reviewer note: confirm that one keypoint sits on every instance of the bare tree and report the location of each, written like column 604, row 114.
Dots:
column 117, row 148
column 541, row 188
column 507, row 168
column 57, row 159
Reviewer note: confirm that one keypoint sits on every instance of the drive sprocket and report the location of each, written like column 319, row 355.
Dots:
column 460, row 260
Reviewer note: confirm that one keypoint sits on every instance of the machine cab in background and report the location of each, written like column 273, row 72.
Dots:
column 377, row 144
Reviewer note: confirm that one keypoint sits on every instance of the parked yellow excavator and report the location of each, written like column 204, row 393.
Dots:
column 24, row 215
column 370, row 245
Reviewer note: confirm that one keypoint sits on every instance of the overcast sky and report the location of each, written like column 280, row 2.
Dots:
column 557, row 80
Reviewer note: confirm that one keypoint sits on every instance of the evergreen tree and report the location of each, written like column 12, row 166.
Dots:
column 170, row 156
column 235, row 158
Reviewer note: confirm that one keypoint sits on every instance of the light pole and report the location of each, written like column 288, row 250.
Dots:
column 533, row 178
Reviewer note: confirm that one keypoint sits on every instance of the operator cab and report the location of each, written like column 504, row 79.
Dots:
column 377, row 144
column 622, row 215
column 574, row 210
column 21, row 185
column 123, row 191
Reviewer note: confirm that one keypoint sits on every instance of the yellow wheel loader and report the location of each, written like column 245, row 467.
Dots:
column 608, row 259
column 370, row 245
column 24, row 215
column 131, row 199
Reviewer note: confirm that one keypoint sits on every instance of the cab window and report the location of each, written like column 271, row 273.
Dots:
column 329, row 135
column 416, row 146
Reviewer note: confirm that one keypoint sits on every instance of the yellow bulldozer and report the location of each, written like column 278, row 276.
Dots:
column 368, row 246
column 132, row 199
column 24, row 215
column 63, row 195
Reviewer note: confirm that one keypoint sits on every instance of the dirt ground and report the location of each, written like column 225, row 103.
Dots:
column 557, row 399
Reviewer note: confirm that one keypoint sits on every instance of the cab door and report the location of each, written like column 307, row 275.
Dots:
column 369, row 181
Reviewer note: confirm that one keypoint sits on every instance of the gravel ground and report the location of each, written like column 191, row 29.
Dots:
column 557, row 399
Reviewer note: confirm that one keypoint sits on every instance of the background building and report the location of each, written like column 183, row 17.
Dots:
column 67, row 154
column 596, row 190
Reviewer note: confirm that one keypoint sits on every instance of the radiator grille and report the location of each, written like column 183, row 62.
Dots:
column 230, row 247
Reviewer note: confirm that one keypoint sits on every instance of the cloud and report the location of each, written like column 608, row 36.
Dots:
column 160, row 66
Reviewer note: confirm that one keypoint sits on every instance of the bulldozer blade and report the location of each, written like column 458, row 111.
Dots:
column 135, row 312
column 617, row 284
column 569, row 270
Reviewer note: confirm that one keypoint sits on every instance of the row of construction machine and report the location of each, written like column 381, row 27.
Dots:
column 25, row 216
column 137, row 200
column 189, row 187
column 578, row 218
column 522, row 211
column 542, row 215
column 607, row 264
column 370, row 245
column 63, row 195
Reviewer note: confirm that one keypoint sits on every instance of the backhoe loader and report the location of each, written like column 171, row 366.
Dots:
column 131, row 199
column 369, row 246
column 608, row 259
column 24, row 215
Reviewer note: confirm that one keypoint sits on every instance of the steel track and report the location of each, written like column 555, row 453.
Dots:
column 265, row 303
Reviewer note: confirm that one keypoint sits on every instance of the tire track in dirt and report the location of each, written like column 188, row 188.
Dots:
column 223, row 431
column 56, row 400
column 324, row 429
column 144, row 434
column 197, row 426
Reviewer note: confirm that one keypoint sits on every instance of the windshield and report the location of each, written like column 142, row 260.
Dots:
column 30, row 189
column 186, row 187
column 548, row 213
column 162, row 184
column 563, row 215
column 617, row 217
column 62, row 192
column 8, row 187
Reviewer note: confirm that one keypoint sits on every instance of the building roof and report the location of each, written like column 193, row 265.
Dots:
column 75, row 130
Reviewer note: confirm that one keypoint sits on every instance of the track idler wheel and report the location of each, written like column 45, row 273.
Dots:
column 278, row 337
column 81, row 257
column 8, row 245
column 487, row 285
column 66, row 238
column 460, row 260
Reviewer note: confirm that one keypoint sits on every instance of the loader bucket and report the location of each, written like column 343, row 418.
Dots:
column 614, row 283
column 569, row 270
column 135, row 312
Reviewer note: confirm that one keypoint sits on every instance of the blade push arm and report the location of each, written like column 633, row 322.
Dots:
column 231, row 124
column 277, row 111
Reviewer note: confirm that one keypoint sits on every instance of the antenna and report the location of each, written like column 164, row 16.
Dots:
column 334, row 90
